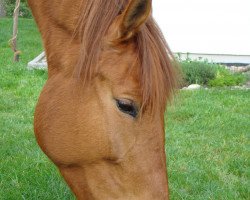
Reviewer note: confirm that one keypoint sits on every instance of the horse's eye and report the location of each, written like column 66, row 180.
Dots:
column 127, row 106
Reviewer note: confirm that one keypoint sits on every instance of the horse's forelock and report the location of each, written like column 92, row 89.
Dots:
column 157, row 74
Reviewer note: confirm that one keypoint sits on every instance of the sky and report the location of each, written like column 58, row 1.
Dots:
column 205, row 26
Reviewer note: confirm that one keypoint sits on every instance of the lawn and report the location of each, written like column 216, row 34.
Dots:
column 207, row 134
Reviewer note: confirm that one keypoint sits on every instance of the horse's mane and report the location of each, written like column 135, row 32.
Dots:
column 157, row 74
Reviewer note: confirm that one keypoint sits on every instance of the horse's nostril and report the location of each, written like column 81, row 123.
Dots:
column 127, row 106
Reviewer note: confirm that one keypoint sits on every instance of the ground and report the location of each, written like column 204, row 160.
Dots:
column 207, row 135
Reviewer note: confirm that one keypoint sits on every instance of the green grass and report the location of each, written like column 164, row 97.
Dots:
column 207, row 138
column 208, row 145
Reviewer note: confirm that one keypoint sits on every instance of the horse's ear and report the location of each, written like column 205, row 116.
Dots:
column 134, row 15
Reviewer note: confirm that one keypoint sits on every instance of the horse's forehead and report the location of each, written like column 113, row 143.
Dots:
column 121, row 71
column 120, row 67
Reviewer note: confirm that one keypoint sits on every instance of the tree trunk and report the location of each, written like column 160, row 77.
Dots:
column 15, row 31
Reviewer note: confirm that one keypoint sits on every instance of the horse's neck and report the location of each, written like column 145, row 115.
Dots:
column 57, row 22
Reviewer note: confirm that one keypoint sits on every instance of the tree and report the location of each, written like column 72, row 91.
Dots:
column 13, row 41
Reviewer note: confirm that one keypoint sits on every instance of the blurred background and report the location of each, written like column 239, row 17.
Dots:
column 206, row 27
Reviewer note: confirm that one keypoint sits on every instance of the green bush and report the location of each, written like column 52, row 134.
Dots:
column 24, row 9
column 198, row 72
column 225, row 78
column 214, row 75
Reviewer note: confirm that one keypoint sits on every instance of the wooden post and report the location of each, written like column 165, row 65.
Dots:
column 15, row 32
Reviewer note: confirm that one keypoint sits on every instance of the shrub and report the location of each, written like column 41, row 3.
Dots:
column 226, row 78
column 198, row 72
column 24, row 9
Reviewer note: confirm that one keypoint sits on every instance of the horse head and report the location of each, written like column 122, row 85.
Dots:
column 100, row 116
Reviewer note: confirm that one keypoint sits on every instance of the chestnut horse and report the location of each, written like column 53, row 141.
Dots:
column 100, row 116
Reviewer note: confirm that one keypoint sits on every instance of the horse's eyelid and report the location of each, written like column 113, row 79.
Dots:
column 128, row 102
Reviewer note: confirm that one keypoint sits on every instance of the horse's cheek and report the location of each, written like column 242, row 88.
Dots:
column 68, row 131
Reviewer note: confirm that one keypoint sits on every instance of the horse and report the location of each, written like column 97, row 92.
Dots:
column 100, row 115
